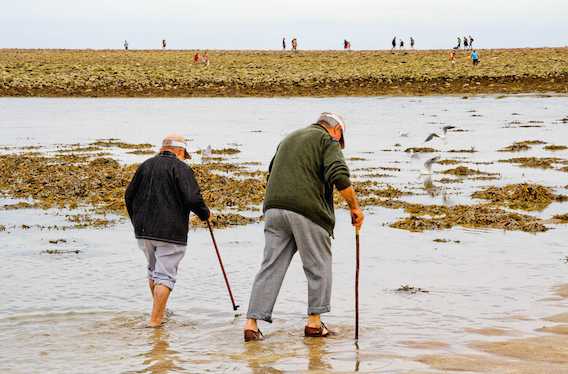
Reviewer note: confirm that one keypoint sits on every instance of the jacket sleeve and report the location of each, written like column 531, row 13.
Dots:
column 190, row 192
column 335, row 168
column 131, row 191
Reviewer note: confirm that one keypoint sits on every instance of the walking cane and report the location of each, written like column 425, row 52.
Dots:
column 357, row 284
column 235, row 306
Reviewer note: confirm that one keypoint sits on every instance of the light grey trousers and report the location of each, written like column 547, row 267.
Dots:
column 163, row 260
column 285, row 233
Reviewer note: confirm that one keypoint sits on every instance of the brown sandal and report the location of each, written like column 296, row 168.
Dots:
column 251, row 335
column 317, row 332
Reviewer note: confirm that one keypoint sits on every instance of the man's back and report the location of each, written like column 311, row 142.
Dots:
column 160, row 198
column 306, row 166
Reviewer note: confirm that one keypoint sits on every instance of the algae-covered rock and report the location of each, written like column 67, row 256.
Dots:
column 522, row 196
column 73, row 181
column 553, row 147
column 437, row 217
column 464, row 171
column 534, row 162
column 223, row 220
column 562, row 218
column 411, row 289
column 515, row 147
column 420, row 150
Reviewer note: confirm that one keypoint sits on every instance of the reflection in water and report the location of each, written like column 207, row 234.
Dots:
column 429, row 186
column 316, row 353
column 357, row 357
column 160, row 359
column 434, row 191
column 260, row 356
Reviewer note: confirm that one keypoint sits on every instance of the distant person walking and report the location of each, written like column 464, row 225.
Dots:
column 411, row 42
column 196, row 58
column 470, row 42
column 205, row 58
column 401, row 44
column 452, row 56
column 474, row 58
column 465, row 43
column 294, row 44
column 164, row 44
column 394, row 42
column 126, row 45
column 346, row 44
column 284, row 43
column 459, row 43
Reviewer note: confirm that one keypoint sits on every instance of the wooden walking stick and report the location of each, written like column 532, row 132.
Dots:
column 357, row 229
column 235, row 306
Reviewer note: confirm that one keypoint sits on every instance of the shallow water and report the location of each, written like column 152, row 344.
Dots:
column 64, row 313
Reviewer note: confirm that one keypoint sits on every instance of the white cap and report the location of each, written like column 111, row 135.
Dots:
column 177, row 141
column 333, row 120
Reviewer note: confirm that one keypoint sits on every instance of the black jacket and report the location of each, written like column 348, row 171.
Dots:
column 160, row 197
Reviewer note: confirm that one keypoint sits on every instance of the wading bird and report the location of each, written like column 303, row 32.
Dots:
column 445, row 129
column 428, row 165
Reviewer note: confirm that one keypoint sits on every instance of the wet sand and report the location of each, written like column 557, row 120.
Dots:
column 496, row 299
column 151, row 73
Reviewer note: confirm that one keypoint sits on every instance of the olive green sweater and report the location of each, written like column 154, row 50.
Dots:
column 307, row 165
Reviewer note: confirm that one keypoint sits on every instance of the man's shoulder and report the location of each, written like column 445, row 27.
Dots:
column 163, row 161
column 311, row 132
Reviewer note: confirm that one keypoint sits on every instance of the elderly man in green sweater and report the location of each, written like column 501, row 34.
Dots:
column 299, row 217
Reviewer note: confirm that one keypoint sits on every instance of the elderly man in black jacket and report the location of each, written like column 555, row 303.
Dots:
column 159, row 199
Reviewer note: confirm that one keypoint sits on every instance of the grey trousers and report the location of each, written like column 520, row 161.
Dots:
column 285, row 233
column 163, row 260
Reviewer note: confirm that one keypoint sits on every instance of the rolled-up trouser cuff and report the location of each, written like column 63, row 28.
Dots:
column 164, row 282
column 259, row 316
column 319, row 310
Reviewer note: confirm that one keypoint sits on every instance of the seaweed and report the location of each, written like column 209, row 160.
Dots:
column 438, row 217
column 411, row 289
column 147, row 73
column 534, row 162
column 420, row 150
column 553, row 147
column 522, row 196
column 562, row 218
column 470, row 150
column 463, row 171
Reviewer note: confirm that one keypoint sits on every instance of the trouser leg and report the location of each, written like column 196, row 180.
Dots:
column 314, row 246
column 279, row 250
column 149, row 250
column 168, row 258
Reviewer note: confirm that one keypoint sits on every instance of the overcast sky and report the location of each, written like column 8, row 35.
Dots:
column 261, row 24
